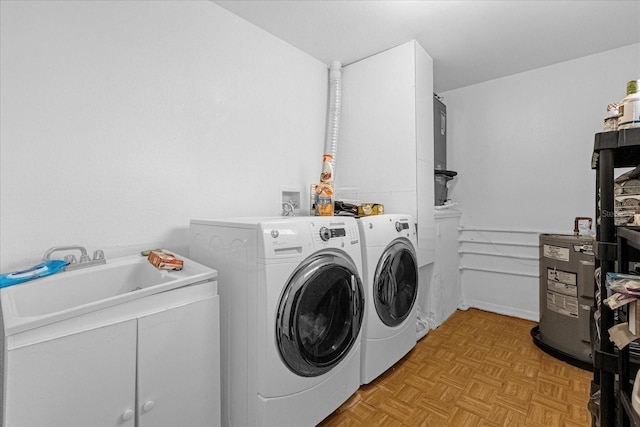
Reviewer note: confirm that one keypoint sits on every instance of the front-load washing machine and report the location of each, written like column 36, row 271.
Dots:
column 389, row 245
column 291, row 305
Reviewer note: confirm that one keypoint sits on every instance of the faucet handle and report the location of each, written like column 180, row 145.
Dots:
column 70, row 259
column 98, row 254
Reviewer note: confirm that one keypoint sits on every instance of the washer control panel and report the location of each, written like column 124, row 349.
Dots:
column 329, row 233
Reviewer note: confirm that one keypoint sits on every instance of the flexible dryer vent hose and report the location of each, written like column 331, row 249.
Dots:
column 333, row 116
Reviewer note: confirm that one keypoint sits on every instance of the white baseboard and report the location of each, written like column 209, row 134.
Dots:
column 501, row 309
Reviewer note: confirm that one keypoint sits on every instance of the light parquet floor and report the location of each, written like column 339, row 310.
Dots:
column 477, row 369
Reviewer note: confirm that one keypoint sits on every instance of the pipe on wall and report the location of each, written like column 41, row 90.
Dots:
column 532, row 258
column 492, row 242
column 498, row 271
column 506, row 230
column 498, row 253
column 333, row 113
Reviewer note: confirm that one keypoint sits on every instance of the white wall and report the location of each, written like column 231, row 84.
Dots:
column 522, row 146
column 120, row 121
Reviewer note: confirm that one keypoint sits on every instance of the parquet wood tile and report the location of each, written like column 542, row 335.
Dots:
column 478, row 369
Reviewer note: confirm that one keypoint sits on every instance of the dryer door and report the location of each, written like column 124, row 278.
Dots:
column 395, row 286
column 320, row 314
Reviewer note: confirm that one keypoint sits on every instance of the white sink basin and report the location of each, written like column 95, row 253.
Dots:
column 72, row 293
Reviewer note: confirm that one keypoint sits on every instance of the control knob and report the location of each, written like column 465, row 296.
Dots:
column 325, row 234
column 398, row 226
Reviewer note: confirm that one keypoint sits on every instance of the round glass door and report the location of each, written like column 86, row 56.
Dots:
column 319, row 315
column 395, row 287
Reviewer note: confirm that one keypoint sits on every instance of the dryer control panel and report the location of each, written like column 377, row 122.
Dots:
column 401, row 226
column 334, row 233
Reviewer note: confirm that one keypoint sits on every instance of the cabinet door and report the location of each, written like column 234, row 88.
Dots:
column 387, row 126
column 84, row 379
column 445, row 284
column 179, row 367
column 378, row 129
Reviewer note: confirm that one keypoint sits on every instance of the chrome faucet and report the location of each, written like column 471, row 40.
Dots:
column 85, row 261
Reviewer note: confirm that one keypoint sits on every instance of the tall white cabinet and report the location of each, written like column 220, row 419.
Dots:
column 386, row 137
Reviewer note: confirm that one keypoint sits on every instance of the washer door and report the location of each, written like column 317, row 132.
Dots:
column 395, row 285
column 320, row 314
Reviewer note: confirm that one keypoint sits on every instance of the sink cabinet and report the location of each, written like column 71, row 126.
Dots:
column 152, row 362
column 82, row 379
column 178, row 367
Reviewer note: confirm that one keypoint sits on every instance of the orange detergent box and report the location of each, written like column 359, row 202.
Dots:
column 165, row 260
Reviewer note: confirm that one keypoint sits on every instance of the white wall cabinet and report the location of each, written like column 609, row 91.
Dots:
column 386, row 147
column 158, row 369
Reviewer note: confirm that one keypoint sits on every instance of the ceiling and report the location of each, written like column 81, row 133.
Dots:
column 469, row 41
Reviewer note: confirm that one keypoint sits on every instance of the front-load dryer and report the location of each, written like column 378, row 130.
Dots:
column 389, row 245
column 291, row 305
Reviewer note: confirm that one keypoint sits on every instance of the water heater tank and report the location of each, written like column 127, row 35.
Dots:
column 566, row 297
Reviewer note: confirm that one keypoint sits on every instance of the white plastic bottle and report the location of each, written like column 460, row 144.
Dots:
column 324, row 190
column 629, row 107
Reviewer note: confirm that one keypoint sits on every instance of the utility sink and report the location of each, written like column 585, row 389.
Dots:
column 72, row 293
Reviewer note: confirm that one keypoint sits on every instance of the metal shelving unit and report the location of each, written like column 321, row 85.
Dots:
column 628, row 242
column 611, row 150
